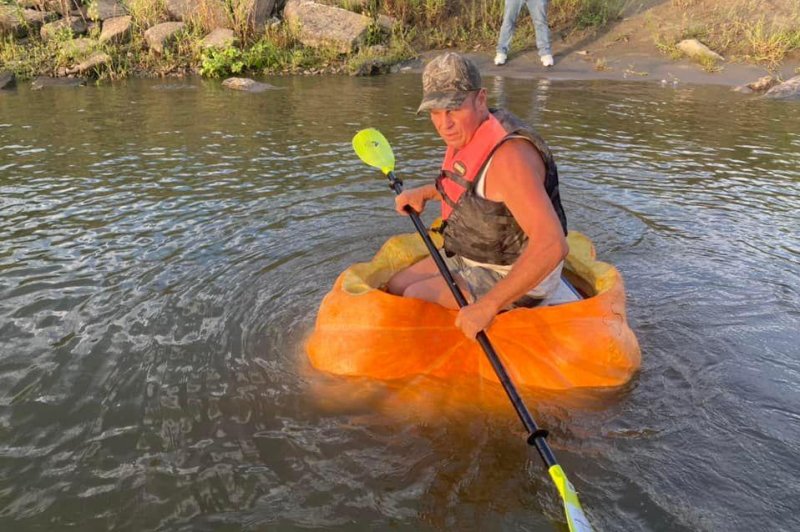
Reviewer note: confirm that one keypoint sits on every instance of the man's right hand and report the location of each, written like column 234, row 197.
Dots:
column 414, row 198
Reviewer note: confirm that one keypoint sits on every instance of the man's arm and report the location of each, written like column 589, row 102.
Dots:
column 516, row 177
column 416, row 198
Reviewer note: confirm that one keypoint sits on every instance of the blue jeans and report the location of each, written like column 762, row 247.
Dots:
column 538, row 11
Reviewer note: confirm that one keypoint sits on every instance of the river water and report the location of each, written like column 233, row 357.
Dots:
column 164, row 246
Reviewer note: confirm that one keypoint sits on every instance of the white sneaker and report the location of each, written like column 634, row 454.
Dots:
column 500, row 59
column 547, row 60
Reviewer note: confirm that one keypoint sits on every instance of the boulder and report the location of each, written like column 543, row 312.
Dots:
column 79, row 48
column 93, row 61
column 182, row 9
column 246, row 84
column 760, row 85
column 80, row 12
column 788, row 90
column 77, row 26
column 357, row 6
column 7, row 80
column 763, row 84
column 258, row 13
column 43, row 81
column 372, row 67
column 10, row 22
column 107, row 9
column 36, row 19
column 160, row 35
column 55, row 6
column 211, row 12
column 386, row 22
column 19, row 23
column 219, row 38
column 116, row 30
column 322, row 26
column 697, row 50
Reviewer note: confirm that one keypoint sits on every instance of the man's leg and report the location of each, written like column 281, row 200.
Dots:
column 435, row 290
column 510, row 14
column 538, row 11
column 423, row 281
column 415, row 273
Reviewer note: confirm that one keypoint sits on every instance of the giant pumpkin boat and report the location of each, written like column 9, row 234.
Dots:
column 364, row 331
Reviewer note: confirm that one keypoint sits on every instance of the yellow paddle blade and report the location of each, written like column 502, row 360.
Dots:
column 372, row 147
column 576, row 519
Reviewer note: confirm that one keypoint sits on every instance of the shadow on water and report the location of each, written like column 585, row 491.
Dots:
column 165, row 246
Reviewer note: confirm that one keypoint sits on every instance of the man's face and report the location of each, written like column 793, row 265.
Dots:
column 457, row 126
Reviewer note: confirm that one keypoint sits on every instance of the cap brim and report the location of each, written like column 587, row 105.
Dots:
column 442, row 100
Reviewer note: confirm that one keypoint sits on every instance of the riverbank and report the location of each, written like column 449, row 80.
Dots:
column 621, row 64
column 616, row 39
column 642, row 45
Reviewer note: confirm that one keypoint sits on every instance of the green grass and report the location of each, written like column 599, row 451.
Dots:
column 426, row 24
column 738, row 29
column 734, row 29
column 583, row 14
column 475, row 24
column 771, row 47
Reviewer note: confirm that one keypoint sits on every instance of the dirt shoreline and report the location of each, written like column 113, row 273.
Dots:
column 620, row 65
column 627, row 50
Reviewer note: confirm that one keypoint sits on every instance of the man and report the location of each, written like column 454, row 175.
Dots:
column 504, row 232
column 538, row 11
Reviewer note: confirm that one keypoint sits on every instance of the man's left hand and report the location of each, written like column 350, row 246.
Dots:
column 474, row 318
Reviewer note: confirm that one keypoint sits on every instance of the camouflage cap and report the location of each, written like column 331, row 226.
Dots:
column 447, row 81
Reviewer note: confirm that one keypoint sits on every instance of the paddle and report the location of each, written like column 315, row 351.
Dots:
column 373, row 148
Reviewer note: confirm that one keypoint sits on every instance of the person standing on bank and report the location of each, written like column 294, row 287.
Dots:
column 538, row 11
column 504, row 226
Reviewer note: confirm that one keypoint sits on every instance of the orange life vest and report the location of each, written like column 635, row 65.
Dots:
column 462, row 167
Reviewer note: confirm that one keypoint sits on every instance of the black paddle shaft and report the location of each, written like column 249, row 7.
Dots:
column 536, row 436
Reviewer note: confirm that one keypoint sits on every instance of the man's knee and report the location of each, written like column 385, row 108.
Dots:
column 415, row 273
column 418, row 291
column 433, row 290
column 397, row 284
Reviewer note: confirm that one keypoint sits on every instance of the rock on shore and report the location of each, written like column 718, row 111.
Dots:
column 788, row 90
column 7, row 80
column 160, row 35
column 246, row 84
